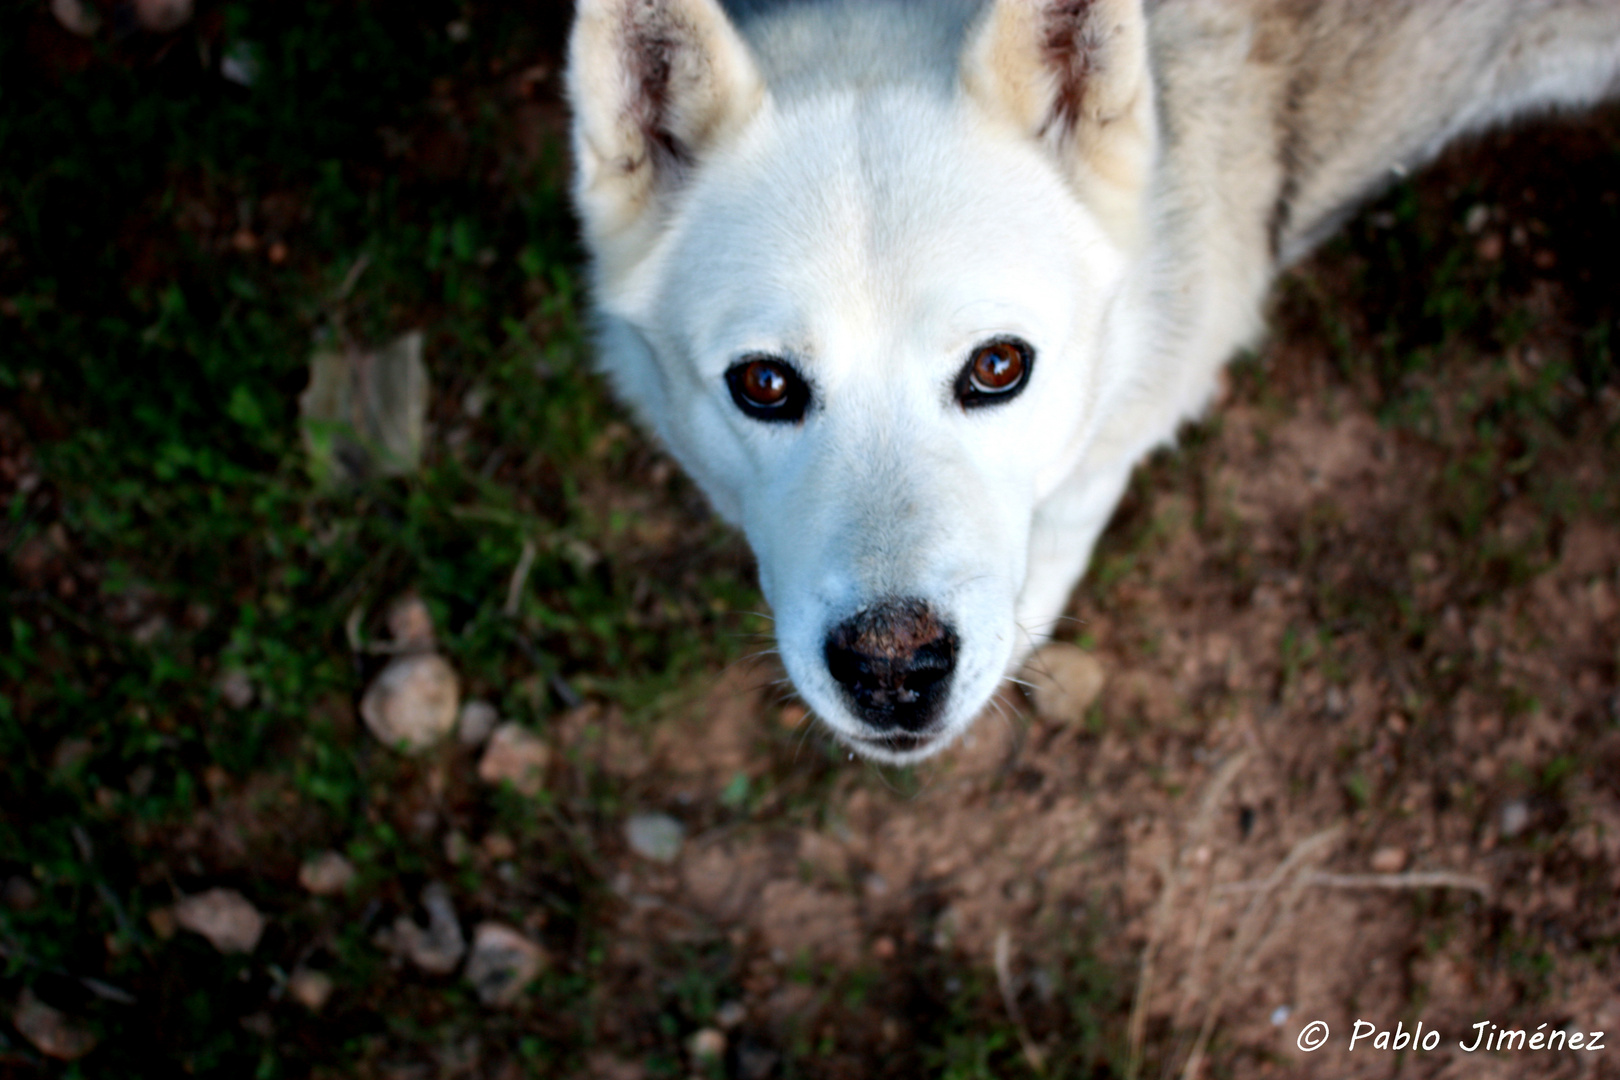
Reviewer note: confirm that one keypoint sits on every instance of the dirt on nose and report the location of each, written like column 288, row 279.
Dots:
column 893, row 630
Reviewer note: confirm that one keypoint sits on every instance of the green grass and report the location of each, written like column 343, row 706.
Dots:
column 172, row 249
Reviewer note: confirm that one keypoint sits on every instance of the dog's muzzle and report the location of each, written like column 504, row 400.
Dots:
column 894, row 661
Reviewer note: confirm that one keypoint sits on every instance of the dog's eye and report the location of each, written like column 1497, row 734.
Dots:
column 768, row 389
column 996, row 372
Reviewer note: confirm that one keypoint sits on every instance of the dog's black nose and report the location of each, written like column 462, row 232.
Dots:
column 894, row 661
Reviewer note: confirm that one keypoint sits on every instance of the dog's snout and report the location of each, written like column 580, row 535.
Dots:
column 894, row 661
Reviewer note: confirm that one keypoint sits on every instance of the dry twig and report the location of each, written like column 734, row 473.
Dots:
column 1196, row 831
column 1003, row 958
column 1415, row 879
column 1247, row 935
column 520, row 578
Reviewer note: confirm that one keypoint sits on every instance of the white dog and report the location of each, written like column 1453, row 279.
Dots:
column 909, row 286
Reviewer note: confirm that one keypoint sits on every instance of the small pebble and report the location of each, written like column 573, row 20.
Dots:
column 731, row 1015
column 655, row 836
column 502, row 963
column 477, row 720
column 1389, row 860
column 236, row 688
column 707, row 1044
column 517, row 756
column 440, row 947
column 410, row 624
column 224, row 916
column 327, row 874
column 162, row 16
column 19, row 894
column 413, row 702
column 1064, row 682
column 161, row 920
column 755, row 1062
column 51, row 1031
column 311, row 989
column 1515, row 818
column 76, row 17
column 71, row 753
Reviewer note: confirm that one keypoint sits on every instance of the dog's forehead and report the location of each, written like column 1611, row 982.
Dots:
column 874, row 214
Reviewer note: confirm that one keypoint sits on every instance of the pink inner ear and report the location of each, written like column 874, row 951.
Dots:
column 650, row 46
column 1072, row 47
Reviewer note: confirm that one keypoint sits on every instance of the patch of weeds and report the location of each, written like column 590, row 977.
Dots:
column 1530, row 961
column 171, row 246
column 1555, row 774
column 1358, row 790
column 1296, row 651
column 966, row 1048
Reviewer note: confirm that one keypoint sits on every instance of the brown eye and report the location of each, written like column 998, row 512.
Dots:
column 768, row 389
column 995, row 372
column 764, row 384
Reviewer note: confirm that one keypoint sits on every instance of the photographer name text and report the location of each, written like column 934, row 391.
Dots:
column 1484, row 1035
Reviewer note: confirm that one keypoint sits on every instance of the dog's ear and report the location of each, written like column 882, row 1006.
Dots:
column 654, row 85
column 1074, row 74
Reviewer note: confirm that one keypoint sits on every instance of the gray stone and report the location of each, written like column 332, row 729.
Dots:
column 438, row 948
column 517, row 756
column 502, row 963
column 655, row 836
column 224, row 916
column 478, row 718
column 413, row 702
column 51, row 1031
column 310, row 988
column 327, row 874
column 1064, row 681
column 1515, row 818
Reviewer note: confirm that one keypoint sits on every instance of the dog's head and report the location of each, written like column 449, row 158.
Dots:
column 872, row 321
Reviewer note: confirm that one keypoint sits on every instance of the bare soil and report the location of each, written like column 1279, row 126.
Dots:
column 1358, row 756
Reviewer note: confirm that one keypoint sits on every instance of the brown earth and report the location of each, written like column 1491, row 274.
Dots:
column 1357, row 755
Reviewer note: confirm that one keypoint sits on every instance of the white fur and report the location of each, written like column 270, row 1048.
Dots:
column 874, row 217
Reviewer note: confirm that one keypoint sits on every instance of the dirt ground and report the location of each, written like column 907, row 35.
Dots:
column 1357, row 754
column 1356, row 760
